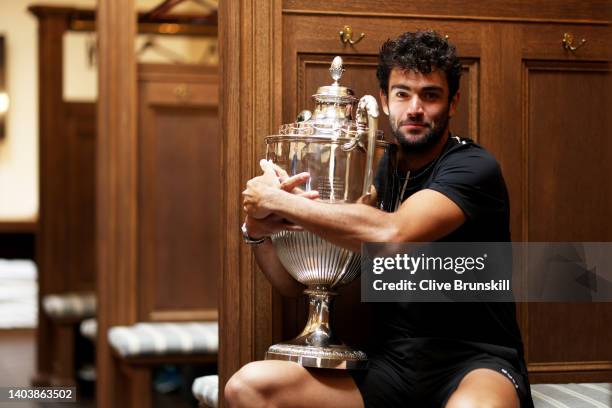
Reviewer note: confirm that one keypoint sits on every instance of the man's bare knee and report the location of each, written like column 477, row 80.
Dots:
column 484, row 388
column 247, row 386
column 255, row 385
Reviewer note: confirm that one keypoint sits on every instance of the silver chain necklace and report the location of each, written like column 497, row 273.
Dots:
column 425, row 170
column 408, row 178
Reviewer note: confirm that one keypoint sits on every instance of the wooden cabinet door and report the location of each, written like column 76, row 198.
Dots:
column 567, row 151
column 179, row 200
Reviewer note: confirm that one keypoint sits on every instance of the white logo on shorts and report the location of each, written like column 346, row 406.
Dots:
column 507, row 374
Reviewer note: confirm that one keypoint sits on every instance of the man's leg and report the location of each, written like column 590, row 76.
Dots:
column 285, row 384
column 484, row 388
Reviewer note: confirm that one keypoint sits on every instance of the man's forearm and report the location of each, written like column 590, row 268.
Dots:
column 346, row 225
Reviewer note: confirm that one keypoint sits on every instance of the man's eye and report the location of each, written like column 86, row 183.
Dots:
column 430, row 96
column 401, row 94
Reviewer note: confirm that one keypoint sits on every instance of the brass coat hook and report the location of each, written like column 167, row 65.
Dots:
column 346, row 35
column 568, row 42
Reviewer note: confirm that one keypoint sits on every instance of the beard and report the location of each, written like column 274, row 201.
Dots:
column 437, row 128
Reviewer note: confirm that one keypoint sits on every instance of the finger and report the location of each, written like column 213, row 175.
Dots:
column 280, row 172
column 293, row 227
column 268, row 168
column 294, row 181
column 310, row 194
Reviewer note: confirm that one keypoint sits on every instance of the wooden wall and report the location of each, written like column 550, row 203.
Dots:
column 175, row 213
column 538, row 107
column 130, row 187
column 65, row 238
column 179, row 184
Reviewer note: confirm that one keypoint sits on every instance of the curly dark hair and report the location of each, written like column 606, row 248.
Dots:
column 421, row 51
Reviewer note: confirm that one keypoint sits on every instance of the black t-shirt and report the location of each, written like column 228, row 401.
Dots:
column 471, row 177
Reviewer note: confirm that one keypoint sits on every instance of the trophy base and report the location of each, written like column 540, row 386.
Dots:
column 336, row 356
column 316, row 346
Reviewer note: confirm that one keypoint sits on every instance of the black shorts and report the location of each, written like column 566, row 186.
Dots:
column 425, row 372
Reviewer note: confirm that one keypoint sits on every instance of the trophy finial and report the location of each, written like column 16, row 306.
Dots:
column 336, row 69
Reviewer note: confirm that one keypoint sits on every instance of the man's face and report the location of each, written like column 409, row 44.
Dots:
column 418, row 108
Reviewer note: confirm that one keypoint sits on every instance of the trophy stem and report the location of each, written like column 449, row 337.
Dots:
column 316, row 346
column 318, row 329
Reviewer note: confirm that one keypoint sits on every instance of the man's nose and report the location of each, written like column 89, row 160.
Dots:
column 415, row 107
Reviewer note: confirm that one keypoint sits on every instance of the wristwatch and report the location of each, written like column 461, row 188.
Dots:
column 248, row 240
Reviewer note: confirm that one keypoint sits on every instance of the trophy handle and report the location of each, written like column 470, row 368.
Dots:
column 368, row 106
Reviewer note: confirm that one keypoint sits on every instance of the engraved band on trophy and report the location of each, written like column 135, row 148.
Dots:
column 342, row 156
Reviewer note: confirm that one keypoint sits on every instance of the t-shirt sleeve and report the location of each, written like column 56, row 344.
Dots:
column 472, row 179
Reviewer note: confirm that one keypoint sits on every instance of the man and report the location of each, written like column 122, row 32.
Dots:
column 450, row 189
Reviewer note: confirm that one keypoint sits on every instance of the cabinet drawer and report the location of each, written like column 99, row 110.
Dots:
column 545, row 42
column 182, row 93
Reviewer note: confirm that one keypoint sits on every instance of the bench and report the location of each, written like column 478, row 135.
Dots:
column 140, row 347
column 66, row 311
column 572, row 395
column 206, row 391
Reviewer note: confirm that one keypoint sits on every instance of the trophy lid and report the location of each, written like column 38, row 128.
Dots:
column 332, row 117
column 335, row 93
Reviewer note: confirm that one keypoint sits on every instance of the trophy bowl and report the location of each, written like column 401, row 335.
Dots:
column 348, row 163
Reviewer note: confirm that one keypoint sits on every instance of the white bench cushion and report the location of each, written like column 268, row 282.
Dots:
column 18, row 294
column 165, row 338
column 206, row 390
column 89, row 328
column 70, row 305
column 572, row 395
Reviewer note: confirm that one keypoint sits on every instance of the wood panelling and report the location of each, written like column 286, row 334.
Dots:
column 465, row 122
column 65, row 240
column 51, row 251
column 318, row 34
column 116, row 188
column 517, row 10
column 80, row 133
column 568, row 151
column 251, row 84
column 544, row 42
column 180, row 181
column 569, row 198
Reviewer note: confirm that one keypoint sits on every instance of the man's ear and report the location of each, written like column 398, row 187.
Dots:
column 453, row 104
column 384, row 100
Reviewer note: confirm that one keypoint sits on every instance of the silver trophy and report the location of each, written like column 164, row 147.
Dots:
column 343, row 157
